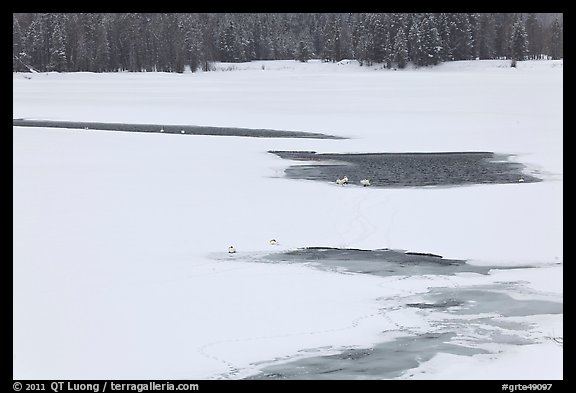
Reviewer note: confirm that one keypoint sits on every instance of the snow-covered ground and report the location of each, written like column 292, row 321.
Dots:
column 120, row 239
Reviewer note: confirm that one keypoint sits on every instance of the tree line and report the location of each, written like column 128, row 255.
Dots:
column 171, row 42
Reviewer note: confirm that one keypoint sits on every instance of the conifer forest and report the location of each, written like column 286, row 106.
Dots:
column 174, row 42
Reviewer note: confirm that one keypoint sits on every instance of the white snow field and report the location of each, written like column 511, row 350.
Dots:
column 120, row 239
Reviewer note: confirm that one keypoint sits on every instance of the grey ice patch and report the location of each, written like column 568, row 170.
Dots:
column 380, row 262
column 459, row 336
column 384, row 361
column 492, row 299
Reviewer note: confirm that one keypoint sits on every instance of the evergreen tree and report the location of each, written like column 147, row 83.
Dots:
column 317, row 35
column 378, row 40
column 36, row 41
column 284, row 39
column 534, row 32
column 332, row 49
column 17, row 43
column 389, row 51
column 413, row 42
column 58, row 49
column 400, row 49
column 518, row 41
column 208, row 49
column 149, row 34
column 444, row 53
column 347, row 24
column 555, row 41
column 20, row 59
column 192, row 42
column 476, row 32
column 360, row 41
column 460, row 37
column 337, row 41
column 133, row 54
column 113, row 33
column 102, row 49
column 428, row 42
column 178, row 45
column 229, row 47
column 486, row 37
column 503, row 24
column 333, row 40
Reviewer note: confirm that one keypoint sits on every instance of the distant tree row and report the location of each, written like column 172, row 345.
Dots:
column 101, row 42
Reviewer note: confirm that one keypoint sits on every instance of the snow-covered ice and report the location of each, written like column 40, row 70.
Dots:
column 120, row 240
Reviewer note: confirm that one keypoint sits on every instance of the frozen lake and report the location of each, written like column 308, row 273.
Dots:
column 115, row 233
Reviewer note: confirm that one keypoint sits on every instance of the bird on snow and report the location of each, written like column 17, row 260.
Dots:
column 274, row 242
column 345, row 179
column 340, row 182
column 365, row 182
column 521, row 180
column 182, row 131
column 231, row 250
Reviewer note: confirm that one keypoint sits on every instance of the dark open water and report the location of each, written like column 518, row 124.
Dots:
column 172, row 129
column 394, row 170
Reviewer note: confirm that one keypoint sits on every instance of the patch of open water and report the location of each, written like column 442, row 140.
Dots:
column 393, row 170
column 172, row 129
